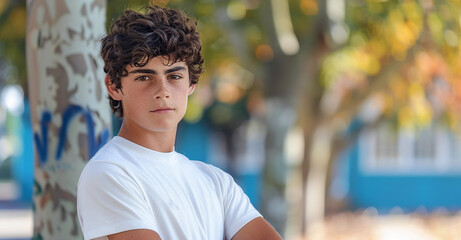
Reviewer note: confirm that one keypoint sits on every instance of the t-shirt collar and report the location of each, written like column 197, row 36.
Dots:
column 146, row 152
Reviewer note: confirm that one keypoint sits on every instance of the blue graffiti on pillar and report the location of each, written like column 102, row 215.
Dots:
column 71, row 112
column 42, row 144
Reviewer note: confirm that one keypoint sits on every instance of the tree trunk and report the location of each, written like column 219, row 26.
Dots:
column 70, row 115
column 280, row 119
column 319, row 156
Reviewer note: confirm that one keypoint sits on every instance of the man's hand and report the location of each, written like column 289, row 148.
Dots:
column 257, row 229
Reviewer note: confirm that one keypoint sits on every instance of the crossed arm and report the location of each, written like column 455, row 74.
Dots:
column 256, row 229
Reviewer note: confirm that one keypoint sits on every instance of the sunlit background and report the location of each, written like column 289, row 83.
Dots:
column 340, row 119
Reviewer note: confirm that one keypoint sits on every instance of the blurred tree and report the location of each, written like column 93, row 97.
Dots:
column 69, row 110
column 400, row 62
column 12, row 42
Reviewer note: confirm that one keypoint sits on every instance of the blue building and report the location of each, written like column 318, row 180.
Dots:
column 409, row 169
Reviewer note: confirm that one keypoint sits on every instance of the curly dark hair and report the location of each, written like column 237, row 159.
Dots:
column 135, row 38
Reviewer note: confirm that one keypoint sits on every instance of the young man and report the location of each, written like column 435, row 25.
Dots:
column 137, row 186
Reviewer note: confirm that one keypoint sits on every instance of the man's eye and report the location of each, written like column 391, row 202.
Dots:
column 142, row 78
column 175, row 77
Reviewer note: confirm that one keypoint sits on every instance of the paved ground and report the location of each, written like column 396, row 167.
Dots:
column 15, row 221
column 359, row 226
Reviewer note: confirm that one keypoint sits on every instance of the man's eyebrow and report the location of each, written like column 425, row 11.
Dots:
column 150, row 71
column 178, row 68
column 143, row 70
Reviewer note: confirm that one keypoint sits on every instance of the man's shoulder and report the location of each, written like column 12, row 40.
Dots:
column 107, row 169
column 113, row 152
column 107, row 160
column 203, row 165
column 106, row 151
column 209, row 169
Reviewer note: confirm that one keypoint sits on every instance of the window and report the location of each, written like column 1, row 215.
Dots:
column 424, row 147
column 430, row 150
column 386, row 147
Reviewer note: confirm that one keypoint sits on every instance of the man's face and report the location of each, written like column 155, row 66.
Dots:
column 154, row 97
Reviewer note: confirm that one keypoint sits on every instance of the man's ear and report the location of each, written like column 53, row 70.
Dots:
column 113, row 91
column 191, row 89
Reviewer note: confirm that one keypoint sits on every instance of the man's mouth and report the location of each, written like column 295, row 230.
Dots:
column 163, row 110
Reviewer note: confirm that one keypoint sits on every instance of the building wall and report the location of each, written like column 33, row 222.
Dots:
column 410, row 176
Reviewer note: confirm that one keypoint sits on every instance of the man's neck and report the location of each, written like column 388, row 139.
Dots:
column 157, row 141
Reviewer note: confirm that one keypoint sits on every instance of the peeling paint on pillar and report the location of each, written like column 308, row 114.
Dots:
column 71, row 117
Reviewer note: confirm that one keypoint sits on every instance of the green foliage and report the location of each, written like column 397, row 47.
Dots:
column 12, row 41
column 407, row 48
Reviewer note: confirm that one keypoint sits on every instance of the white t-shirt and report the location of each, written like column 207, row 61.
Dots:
column 126, row 186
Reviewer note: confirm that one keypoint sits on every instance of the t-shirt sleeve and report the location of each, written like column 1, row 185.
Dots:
column 110, row 201
column 238, row 210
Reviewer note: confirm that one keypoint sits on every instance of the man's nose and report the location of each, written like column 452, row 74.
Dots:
column 162, row 90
